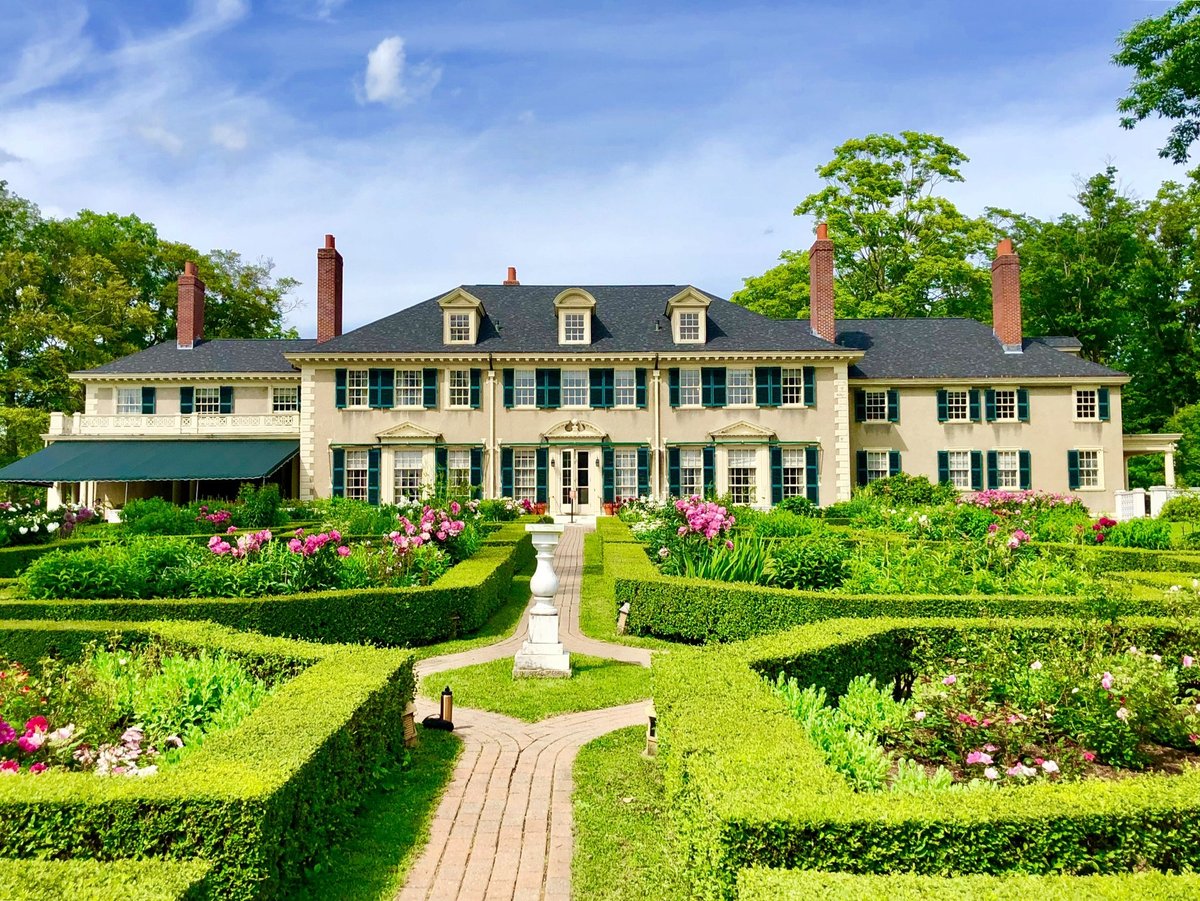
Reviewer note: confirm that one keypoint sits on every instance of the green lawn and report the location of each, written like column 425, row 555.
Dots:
column 594, row 684
column 624, row 848
column 598, row 610
column 502, row 624
column 391, row 829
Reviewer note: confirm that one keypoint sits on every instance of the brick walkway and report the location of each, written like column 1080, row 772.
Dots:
column 503, row 829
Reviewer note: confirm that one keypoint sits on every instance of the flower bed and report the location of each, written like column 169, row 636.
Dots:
column 32, row 524
column 725, row 736
column 261, row 801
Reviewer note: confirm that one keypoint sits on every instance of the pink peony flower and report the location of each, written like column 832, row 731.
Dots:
column 37, row 768
column 1106, row 681
column 950, row 680
column 343, row 551
column 1020, row 769
column 1122, row 713
column 1089, row 756
column 729, row 545
column 1049, row 766
column 1188, row 661
column 663, row 553
column 1036, row 665
column 9, row 767
column 991, row 773
column 919, row 715
column 978, row 757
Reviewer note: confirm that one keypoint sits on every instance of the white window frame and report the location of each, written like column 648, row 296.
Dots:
column 875, row 405
column 1099, row 472
column 879, row 465
column 958, row 468
column 409, row 389
column 795, row 471
column 1087, row 397
column 625, row 386
column 739, row 387
column 691, row 471
column 285, row 398
column 524, row 380
column 525, row 474
column 574, row 327
column 625, row 472
column 406, row 462
column 574, row 381
column 1014, row 415
column 458, row 389
column 460, row 327
column 958, row 404
column 690, row 387
column 355, row 479
column 129, row 401
column 358, row 383
column 1008, row 469
column 689, row 327
column 792, row 386
column 458, row 468
column 206, row 400
column 742, row 489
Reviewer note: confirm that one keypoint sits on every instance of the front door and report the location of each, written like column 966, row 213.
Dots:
column 578, row 492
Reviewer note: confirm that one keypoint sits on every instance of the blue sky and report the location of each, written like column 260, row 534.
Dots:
column 581, row 142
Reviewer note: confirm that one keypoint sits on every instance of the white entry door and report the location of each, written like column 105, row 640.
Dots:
column 579, row 488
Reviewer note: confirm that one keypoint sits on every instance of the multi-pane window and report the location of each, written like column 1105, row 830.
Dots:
column 1006, row 403
column 959, row 468
column 878, row 465
column 525, row 474
column 875, row 406
column 689, row 326
column 793, row 471
column 574, row 328
column 793, row 387
column 460, row 327
column 625, row 473
column 460, row 387
column 1089, row 469
column 958, row 406
column 1008, row 469
column 356, row 387
column 740, row 387
column 129, row 400
column 285, row 399
column 406, row 475
column 743, row 469
column 524, row 388
column 1086, row 404
column 691, row 471
column 458, row 468
column 625, row 382
column 689, row 387
column 356, row 475
column 207, row 400
column 574, row 388
column 409, row 388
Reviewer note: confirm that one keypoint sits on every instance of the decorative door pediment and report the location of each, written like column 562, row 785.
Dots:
column 408, row 433
column 743, row 431
column 575, row 430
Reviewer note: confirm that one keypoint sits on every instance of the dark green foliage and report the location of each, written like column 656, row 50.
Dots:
column 903, row 490
column 258, row 507
column 799, row 505
column 94, row 880
column 814, row 563
column 1148, row 534
column 1185, row 508
column 156, row 516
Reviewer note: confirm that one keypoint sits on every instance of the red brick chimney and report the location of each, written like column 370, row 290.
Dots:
column 329, row 291
column 1006, row 297
column 820, row 285
column 512, row 276
column 189, row 314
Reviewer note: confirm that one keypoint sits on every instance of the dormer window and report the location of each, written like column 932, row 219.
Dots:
column 461, row 315
column 574, row 308
column 688, row 312
column 460, row 328
column 689, row 326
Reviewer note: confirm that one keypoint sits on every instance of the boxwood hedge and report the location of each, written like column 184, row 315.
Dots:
column 459, row 602
column 747, row 788
column 261, row 801
column 92, row 880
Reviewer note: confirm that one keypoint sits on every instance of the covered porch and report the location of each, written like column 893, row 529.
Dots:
column 1133, row 503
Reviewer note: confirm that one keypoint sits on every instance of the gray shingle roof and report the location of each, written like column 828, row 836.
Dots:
column 627, row 318
column 953, row 348
column 216, row 355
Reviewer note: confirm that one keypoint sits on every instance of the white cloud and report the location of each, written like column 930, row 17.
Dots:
column 388, row 78
column 230, row 137
column 163, row 137
column 325, row 9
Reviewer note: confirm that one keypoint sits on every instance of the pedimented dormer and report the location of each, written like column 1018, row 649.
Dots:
column 688, row 312
column 574, row 308
column 462, row 313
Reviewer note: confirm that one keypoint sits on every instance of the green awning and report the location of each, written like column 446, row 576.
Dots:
column 151, row 461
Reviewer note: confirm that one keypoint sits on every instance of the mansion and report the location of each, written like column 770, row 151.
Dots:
column 576, row 396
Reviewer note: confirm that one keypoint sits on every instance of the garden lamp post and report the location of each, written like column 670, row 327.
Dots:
column 542, row 654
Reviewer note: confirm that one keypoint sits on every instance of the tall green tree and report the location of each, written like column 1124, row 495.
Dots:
column 781, row 292
column 1164, row 54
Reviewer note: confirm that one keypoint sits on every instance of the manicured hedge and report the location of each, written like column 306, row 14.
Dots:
column 92, row 880
column 811, row 885
column 262, row 801
column 459, row 602
column 748, row 789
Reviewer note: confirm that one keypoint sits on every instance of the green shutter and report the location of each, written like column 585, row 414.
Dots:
column 149, row 400
column 543, row 475
column 640, row 388
column 373, row 388
column 601, row 388
column 549, row 389
column 943, row 404
column 1073, row 470
column 973, row 399
column 810, row 386
column 710, row 470
column 1102, row 405
column 429, row 381
column 476, row 390
column 608, row 472
column 893, row 404
column 976, row 470
column 712, row 386
column 812, row 475
column 1022, row 405
column 187, row 399
column 226, row 399
column 862, row 472
column 1024, row 463
column 768, row 386
column 509, row 388
column 860, row 408
column 338, row 480
column 339, row 389
column 776, row 474
column 674, row 477
column 477, row 472
column 673, row 385
column 993, row 470
column 943, row 464
column 643, row 471
column 381, row 388
column 441, row 469
column 893, row 463
column 372, row 475
column 989, row 405
column 506, row 471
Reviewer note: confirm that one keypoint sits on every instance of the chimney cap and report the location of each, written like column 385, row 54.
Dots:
column 822, row 231
column 189, row 268
column 1004, row 247
column 512, row 276
column 330, row 243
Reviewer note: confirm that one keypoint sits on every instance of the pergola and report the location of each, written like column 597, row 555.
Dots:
column 1164, row 443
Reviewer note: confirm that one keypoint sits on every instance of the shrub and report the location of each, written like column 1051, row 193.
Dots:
column 156, row 516
column 1183, row 508
column 1150, row 534
column 818, row 562
column 143, row 567
column 797, row 504
column 904, row 490
column 258, row 507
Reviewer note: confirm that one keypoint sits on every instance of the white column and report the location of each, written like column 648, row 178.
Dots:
column 658, row 487
column 491, row 486
column 543, row 654
column 1169, row 467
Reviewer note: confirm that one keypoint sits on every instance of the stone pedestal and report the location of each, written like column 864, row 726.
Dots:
column 543, row 654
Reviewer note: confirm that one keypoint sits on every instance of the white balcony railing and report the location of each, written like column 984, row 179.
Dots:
column 167, row 424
